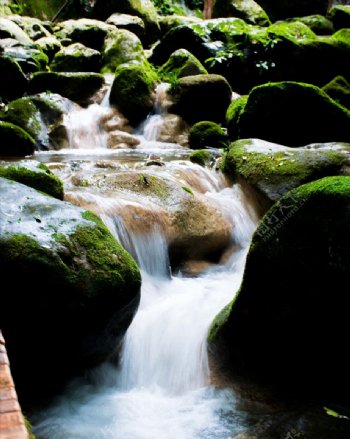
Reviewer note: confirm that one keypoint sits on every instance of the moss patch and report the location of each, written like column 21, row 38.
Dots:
column 14, row 141
column 207, row 134
column 201, row 157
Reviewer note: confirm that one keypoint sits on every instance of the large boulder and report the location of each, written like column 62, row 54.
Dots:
column 36, row 115
column 319, row 24
column 145, row 10
column 14, row 141
column 133, row 91
column 69, row 290
column 34, row 174
column 78, row 87
column 274, row 169
column 28, row 55
column 182, row 63
column 206, row 134
column 9, row 29
column 340, row 16
column 291, row 114
column 90, row 33
column 201, row 97
column 296, row 8
column 339, row 90
column 128, row 22
column 249, row 10
column 121, row 47
column 289, row 325
column 13, row 81
column 76, row 58
column 32, row 26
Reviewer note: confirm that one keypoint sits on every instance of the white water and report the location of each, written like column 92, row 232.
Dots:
column 162, row 388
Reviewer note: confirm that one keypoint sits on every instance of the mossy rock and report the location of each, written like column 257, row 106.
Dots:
column 132, row 90
column 274, row 169
column 14, row 141
column 319, row 24
column 76, row 58
column 9, row 29
column 65, row 276
column 145, row 10
column 293, row 114
column 248, row 10
column 182, row 63
column 339, row 90
column 91, row 33
column 201, row 157
column 28, row 55
column 169, row 22
column 296, row 8
column 33, row 174
column 121, row 47
column 50, row 46
column 201, row 97
column 128, row 22
column 78, row 87
column 340, row 16
column 342, row 36
column 207, row 134
column 289, row 323
column 233, row 115
column 13, row 81
column 33, row 27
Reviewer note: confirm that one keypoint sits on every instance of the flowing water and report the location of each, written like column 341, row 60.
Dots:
column 162, row 387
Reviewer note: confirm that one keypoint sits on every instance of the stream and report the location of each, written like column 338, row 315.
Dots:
column 163, row 387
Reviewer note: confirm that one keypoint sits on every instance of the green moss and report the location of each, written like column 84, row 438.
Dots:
column 76, row 58
column 182, row 63
column 281, row 113
column 42, row 179
column 29, row 428
column 14, row 141
column 342, row 36
column 219, row 321
column 201, row 157
column 340, row 16
column 257, row 166
column 233, row 115
column 319, row 24
column 23, row 113
column 207, row 134
column 296, row 32
column 339, row 90
column 249, row 11
column 132, row 90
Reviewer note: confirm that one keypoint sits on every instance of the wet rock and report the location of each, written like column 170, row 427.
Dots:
column 76, row 58
column 129, row 22
column 13, row 81
column 121, row 139
column 9, row 29
column 14, row 141
column 248, row 10
column 182, row 63
column 59, row 262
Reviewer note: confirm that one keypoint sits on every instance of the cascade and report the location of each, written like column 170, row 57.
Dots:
column 162, row 387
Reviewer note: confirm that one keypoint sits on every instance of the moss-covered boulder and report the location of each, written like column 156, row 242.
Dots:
column 249, row 10
column 296, row 8
column 274, row 169
column 233, row 115
column 13, row 81
column 67, row 286
column 78, row 87
column 340, row 16
column 36, row 115
column 201, row 97
column 201, row 157
column 14, row 141
column 145, row 10
column 339, row 90
column 91, row 33
column 34, row 174
column 319, row 24
column 121, row 47
column 207, row 134
column 50, row 46
column 293, row 114
column 128, row 22
column 182, row 63
column 9, row 29
column 76, row 58
column 33, row 27
column 132, row 91
column 289, row 324
column 169, row 22
column 28, row 55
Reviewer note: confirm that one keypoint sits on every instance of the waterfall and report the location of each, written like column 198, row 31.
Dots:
column 162, row 387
